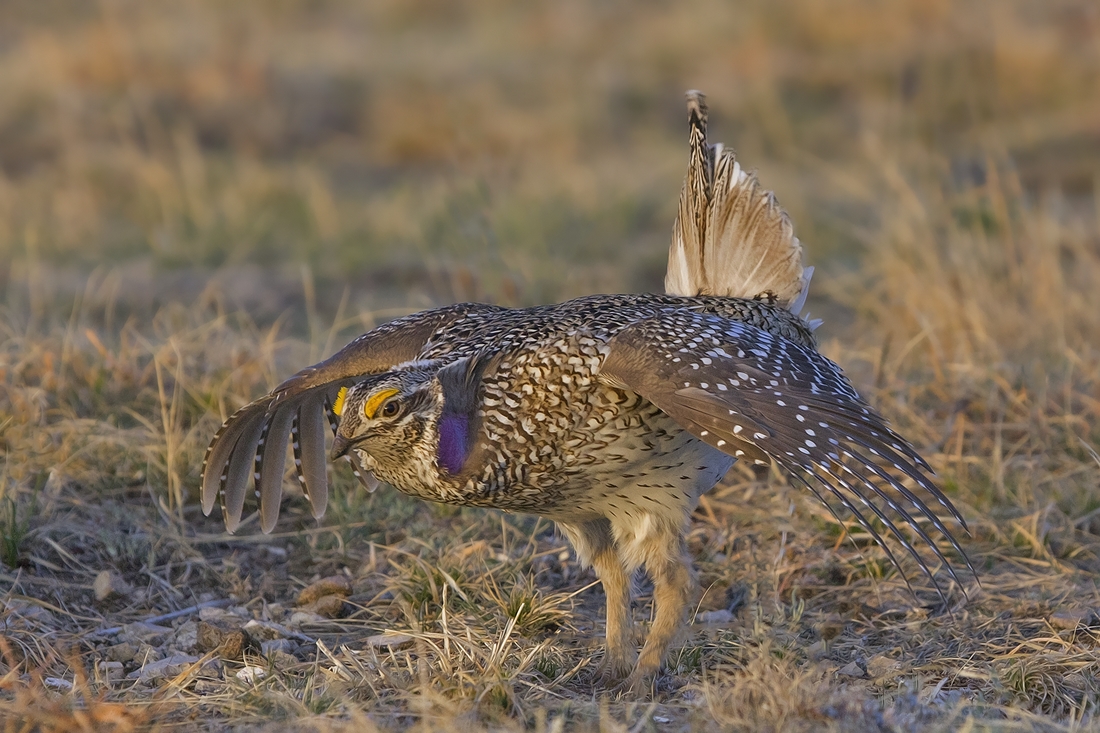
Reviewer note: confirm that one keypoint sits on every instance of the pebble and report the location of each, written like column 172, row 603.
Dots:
column 167, row 667
column 721, row 616
column 123, row 652
column 391, row 640
column 56, row 683
column 852, row 669
column 187, row 636
column 299, row 618
column 141, row 631
column 1068, row 618
column 269, row 647
column 265, row 630
column 109, row 584
column 880, row 666
column 251, row 674
column 110, row 669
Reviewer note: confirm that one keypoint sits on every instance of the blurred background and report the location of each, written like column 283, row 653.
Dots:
column 397, row 154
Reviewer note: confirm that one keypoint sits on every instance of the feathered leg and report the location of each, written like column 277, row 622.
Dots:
column 594, row 546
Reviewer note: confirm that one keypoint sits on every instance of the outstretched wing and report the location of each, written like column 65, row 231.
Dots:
column 254, row 439
column 752, row 394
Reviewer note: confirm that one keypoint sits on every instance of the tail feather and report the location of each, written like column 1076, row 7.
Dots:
column 731, row 237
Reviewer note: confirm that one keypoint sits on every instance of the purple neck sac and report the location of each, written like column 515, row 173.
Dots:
column 453, row 442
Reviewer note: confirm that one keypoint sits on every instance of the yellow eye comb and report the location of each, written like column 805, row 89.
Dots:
column 376, row 401
column 338, row 406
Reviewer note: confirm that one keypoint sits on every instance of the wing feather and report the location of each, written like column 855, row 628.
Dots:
column 750, row 393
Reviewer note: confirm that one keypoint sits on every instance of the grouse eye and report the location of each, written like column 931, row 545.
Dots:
column 390, row 409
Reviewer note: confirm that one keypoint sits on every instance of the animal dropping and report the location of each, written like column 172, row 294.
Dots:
column 609, row 414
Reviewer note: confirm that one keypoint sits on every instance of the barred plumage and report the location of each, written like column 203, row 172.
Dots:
column 610, row 414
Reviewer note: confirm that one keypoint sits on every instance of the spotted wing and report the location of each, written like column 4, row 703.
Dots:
column 755, row 395
column 254, row 439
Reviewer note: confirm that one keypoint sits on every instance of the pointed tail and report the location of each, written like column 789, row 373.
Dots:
column 731, row 237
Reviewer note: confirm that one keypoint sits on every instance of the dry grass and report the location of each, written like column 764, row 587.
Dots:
column 198, row 198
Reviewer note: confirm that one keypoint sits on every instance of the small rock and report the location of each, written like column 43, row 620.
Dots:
column 282, row 660
column 167, row 667
column 335, row 585
column 1068, row 618
column 326, row 607
column 110, row 669
column 285, row 646
column 214, row 614
column 147, row 653
column 298, row 618
column 109, row 584
column 391, row 640
column 880, row 666
column 817, row 651
column 661, row 719
column 209, row 687
column 56, row 683
column 187, row 636
column 21, row 614
column 123, row 652
column 1075, row 681
column 251, row 675
column 265, row 630
column 721, row 616
column 141, row 631
column 852, row 669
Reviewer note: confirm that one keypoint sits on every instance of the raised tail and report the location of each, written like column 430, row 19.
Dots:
column 731, row 237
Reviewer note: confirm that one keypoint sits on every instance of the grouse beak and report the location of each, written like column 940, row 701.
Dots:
column 340, row 447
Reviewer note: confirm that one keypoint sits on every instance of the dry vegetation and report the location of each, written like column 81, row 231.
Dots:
column 197, row 198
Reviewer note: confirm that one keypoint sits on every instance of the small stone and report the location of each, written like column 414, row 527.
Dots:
column 265, row 630
column 1068, row 619
column 208, row 687
column 21, row 614
column 881, row 666
column 187, row 636
column 213, row 614
column 123, row 652
column 56, row 683
column 147, row 653
column 1075, row 681
column 110, row 669
column 109, row 584
column 282, row 660
column 251, row 675
column 335, row 585
column 271, row 646
column 852, row 669
column 721, row 616
column 326, row 606
column 394, row 641
column 817, row 651
column 298, row 618
column 141, row 631
column 167, row 667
